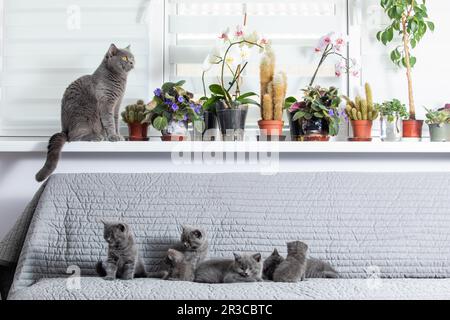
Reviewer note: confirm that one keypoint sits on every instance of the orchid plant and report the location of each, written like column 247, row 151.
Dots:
column 232, row 53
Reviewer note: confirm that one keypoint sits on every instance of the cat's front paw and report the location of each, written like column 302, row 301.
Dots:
column 109, row 278
column 115, row 138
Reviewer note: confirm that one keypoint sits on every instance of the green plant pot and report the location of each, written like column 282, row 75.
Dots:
column 439, row 133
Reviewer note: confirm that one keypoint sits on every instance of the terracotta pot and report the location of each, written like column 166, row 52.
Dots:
column 173, row 137
column 138, row 131
column 271, row 127
column 362, row 129
column 412, row 129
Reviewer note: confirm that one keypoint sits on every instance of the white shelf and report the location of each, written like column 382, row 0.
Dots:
column 11, row 146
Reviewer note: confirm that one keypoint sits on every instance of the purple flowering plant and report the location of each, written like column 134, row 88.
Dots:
column 171, row 103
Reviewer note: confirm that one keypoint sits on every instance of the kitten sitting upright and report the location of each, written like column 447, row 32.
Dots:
column 123, row 259
column 270, row 264
column 179, row 268
column 244, row 268
column 293, row 268
column 194, row 246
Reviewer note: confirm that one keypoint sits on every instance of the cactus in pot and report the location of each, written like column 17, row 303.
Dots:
column 134, row 116
column 362, row 112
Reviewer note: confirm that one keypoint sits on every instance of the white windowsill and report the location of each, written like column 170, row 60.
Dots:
column 10, row 145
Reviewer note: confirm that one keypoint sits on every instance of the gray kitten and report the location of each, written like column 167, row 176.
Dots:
column 194, row 246
column 315, row 268
column 90, row 106
column 244, row 268
column 123, row 260
column 179, row 268
column 293, row 268
column 270, row 264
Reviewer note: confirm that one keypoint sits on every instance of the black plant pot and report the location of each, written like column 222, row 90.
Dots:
column 314, row 129
column 294, row 127
column 211, row 125
column 232, row 121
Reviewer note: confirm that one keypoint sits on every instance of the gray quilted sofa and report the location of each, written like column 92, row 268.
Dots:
column 387, row 234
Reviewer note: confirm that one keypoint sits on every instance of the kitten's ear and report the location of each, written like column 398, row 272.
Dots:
column 197, row 233
column 112, row 50
column 237, row 256
column 275, row 252
column 257, row 257
column 128, row 48
column 122, row 227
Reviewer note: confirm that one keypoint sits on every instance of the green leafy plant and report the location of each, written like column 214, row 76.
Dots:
column 134, row 113
column 392, row 110
column 409, row 20
column 320, row 103
column 439, row 117
column 362, row 109
column 172, row 103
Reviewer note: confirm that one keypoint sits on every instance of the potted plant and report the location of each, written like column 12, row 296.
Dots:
column 133, row 116
column 230, row 103
column 362, row 112
column 317, row 114
column 309, row 126
column 273, row 94
column 439, row 123
column 171, row 109
column 409, row 20
column 391, row 114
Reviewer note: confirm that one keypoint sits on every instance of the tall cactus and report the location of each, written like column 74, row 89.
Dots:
column 362, row 109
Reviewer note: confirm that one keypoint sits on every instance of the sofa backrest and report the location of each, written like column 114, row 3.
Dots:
column 394, row 224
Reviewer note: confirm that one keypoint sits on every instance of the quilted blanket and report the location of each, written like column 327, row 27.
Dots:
column 366, row 225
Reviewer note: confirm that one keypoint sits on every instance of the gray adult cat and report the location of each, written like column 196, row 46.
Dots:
column 90, row 106
column 179, row 268
column 293, row 268
column 193, row 244
column 315, row 268
column 244, row 268
column 123, row 259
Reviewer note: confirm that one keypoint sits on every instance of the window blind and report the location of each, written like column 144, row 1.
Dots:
column 47, row 44
column 293, row 26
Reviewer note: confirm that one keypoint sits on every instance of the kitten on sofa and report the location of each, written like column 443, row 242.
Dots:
column 244, row 268
column 179, row 268
column 270, row 264
column 193, row 244
column 293, row 268
column 315, row 268
column 123, row 259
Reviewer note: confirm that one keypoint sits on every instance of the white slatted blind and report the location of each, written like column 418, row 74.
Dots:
column 293, row 26
column 46, row 44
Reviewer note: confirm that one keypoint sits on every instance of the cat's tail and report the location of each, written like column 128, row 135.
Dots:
column 55, row 146
column 330, row 274
column 100, row 269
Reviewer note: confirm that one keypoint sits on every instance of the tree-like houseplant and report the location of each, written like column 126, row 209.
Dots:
column 230, row 104
column 391, row 114
column 316, row 116
column 171, row 109
column 409, row 20
column 133, row 116
column 439, row 123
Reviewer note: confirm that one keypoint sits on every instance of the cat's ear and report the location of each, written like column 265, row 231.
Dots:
column 257, row 257
column 112, row 50
column 122, row 227
column 128, row 48
column 275, row 252
column 197, row 233
column 237, row 256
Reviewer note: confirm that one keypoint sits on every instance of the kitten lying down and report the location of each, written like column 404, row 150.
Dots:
column 244, row 268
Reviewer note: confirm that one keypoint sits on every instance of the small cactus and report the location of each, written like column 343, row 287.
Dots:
column 134, row 113
column 362, row 109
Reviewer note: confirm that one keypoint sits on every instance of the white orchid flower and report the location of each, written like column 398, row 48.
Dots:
column 225, row 35
column 251, row 39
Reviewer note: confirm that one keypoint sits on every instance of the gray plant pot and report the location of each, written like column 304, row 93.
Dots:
column 439, row 133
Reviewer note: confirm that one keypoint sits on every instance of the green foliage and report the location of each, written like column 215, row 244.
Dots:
column 405, row 15
column 393, row 109
column 172, row 103
column 134, row 113
column 320, row 103
column 362, row 109
column 439, row 117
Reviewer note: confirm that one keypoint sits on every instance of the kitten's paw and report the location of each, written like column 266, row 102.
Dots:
column 109, row 278
column 115, row 138
column 127, row 278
